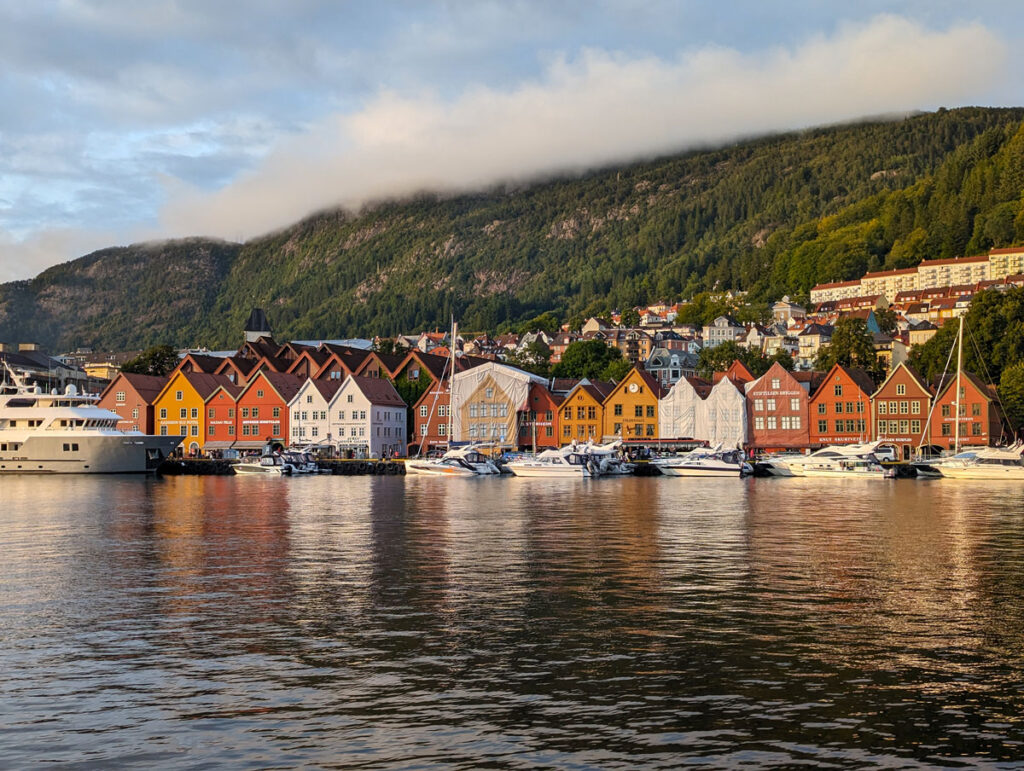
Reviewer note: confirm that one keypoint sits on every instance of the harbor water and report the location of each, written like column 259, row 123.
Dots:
column 417, row 622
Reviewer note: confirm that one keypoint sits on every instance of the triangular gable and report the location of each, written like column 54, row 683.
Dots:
column 913, row 374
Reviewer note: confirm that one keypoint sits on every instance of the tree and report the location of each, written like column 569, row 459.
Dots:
column 546, row 322
column 630, row 318
column 720, row 357
column 1011, row 394
column 158, row 360
column 384, row 345
column 535, row 358
column 852, row 345
column 886, row 318
column 616, row 370
column 586, row 358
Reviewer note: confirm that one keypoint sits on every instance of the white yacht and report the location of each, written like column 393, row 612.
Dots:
column 68, row 434
column 273, row 464
column 465, row 461
column 563, row 462
column 820, row 461
column 703, row 462
column 984, row 463
column 862, row 467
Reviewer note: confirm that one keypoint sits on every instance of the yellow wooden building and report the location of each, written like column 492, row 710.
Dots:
column 180, row 408
column 631, row 409
column 581, row 414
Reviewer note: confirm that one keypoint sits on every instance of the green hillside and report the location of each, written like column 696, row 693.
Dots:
column 771, row 216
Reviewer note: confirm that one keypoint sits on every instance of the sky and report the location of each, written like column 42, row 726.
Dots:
column 124, row 121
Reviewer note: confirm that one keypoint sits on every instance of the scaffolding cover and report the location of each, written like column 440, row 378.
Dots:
column 487, row 400
column 721, row 418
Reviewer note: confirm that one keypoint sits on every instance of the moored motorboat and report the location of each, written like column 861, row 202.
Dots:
column 990, row 463
column 267, row 464
column 714, row 462
column 457, row 461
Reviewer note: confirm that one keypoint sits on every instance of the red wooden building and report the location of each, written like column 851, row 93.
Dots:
column 539, row 423
column 131, row 396
column 262, row 409
column 777, row 409
column 840, row 408
column 900, row 409
column 430, row 419
column 980, row 418
column 221, row 417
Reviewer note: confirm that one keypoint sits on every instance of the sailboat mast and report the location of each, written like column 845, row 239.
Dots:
column 451, row 385
column 959, row 370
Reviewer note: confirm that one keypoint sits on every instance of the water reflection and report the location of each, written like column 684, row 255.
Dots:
column 511, row 622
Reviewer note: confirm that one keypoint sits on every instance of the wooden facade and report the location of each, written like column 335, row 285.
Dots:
column 840, row 408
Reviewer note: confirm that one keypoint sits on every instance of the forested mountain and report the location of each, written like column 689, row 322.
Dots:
column 771, row 216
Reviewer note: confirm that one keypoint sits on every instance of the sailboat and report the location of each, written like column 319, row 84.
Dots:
column 465, row 461
column 981, row 462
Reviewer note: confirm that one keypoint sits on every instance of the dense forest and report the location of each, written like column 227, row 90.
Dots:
column 772, row 216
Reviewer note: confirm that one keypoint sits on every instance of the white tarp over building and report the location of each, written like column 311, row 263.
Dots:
column 721, row 418
column 486, row 400
column 678, row 411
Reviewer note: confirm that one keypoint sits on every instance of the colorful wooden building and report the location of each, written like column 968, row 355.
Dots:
column 840, row 408
column 900, row 409
column 980, row 417
column 132, row 396
column 581, row 413
column 777, row 404
column 262, row 409
column 631, row 409
column 181, row 408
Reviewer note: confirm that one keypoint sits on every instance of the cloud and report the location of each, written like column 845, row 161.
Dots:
column 23, row 257
column 595, row 109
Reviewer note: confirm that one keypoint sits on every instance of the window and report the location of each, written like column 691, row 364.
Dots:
column 947, row 429
column 548, row 415
column 794, row 404
column 650, row 410
column 849, row 408
column 277, row 412
column 901, row 389
column 502, row 410
column 255, row 412
column 581, row 413
column 163, row 430
column 211, row 413
column 638, row 429
column 183, row 431
column 303, row 413
column 179, row 395
column 277, row 430
column 348, row 398
column 259, row 393
column 567, row 413
column 822, row 426
column 772, row 423
column 650, row 429
column 915, row 426
column 309, row 398
column 975, row 429
column 195, row 413
column 822, row 408
column 231, row 412
column 135, row 414
column 771, row 405
column 904, row 407
column 580, row 430
column 119, row 396
column 976, row 410
column 341, row 414
column 591, row 413
column 775, row 383
column 617, row 410
column 638, row 411
column 759, row 423
column 489, row 393
column 245, row 412
column 851, row 426
column 163, row 413
column 245, row 429
column 882, row 409
column 182, row 413
column 618, row 429
column 211, row 431
column 839, row 408
column 881, row 427
column 837, row 389
column 567, row 430
column 758, row 405
column 549, row 431
column 443, row 410
column 839, row 426
column 295, row 431
column 915, row 407
column 473, row 412
column 231, row 430
column 442, row 429
column 892, row 408
column 946, row 410
column 423, row 430
column 785, row 423
column 362, row 416
column 423, row 411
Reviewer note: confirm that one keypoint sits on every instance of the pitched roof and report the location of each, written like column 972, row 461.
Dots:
column 146, row 386
column 203, row 363
column 286, row 385
column 859, row 377
column 203, row 382
column 327, row 387
column 257, row 322
column 378, row 391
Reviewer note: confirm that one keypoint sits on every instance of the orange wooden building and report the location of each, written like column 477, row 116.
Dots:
column 980, row 418
column 900, row 409
column 840, row 407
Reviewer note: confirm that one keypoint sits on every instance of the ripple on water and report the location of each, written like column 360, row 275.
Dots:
column 365, row 622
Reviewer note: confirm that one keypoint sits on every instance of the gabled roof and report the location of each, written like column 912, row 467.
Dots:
column 377, row 391
column 239, row 363
column 201, row 363
column 563, row 385
column 327, row 387
column 284, row 384
column 316, row 358
column 859, row 377
column 257, row 322
column 816, row 329
column 988, row 392
column 231, row 389
column 203, row 383
column 913, row 374
column 598, row 390
column 148, row 387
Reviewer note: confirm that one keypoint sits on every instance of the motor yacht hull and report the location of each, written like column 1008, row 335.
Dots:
column 433, row 469
column 696, row 470
column 88, row 453
column 982, row 471
column 550, row 470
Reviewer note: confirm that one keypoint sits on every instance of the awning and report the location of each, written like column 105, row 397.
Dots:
column 219, row 445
